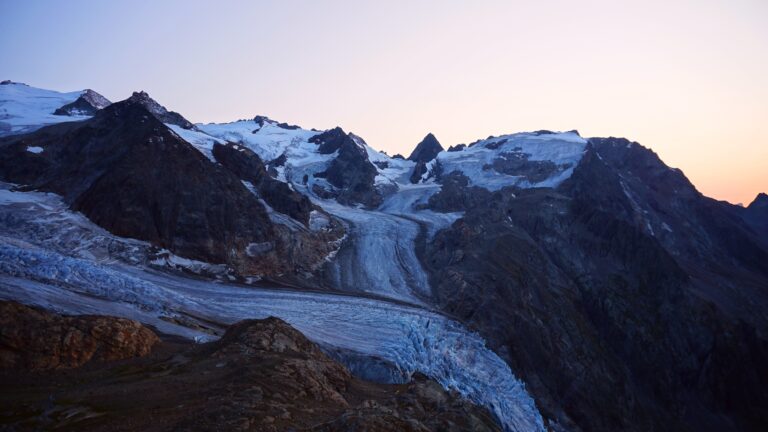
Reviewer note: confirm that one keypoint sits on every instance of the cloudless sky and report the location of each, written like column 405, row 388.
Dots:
column 688, row 78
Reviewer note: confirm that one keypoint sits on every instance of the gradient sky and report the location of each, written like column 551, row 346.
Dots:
column 686, row 78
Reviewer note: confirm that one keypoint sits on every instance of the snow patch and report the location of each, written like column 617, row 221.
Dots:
column 166, row 258
column 318, row 221
column 199, row 140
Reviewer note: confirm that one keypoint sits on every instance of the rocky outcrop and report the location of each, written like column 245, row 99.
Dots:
column 351, row 172
column 424, row 152
column 262, row 375
column 159, row 111
column 86, row 105
column 260, row 120
column 33, row 339
column 248, row 166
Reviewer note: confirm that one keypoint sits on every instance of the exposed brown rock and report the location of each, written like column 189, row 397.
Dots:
column 32, row 339
column 262, row 375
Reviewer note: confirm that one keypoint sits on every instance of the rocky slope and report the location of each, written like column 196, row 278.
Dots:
column 261, row 375
column 129, row 173
column 350, row 173
column 247, row 166
column 86, row 105
column 756, row 216
column 620, row 285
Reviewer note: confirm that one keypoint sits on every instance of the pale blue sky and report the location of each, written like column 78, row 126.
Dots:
column 687, row 77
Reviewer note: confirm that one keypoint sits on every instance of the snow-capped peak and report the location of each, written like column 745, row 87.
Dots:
column 24, row 108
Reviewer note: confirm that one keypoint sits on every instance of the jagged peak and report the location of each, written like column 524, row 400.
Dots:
column 426, row 150
column 159, row 111
column 143, row 97
column 95, row 98
column 332, row 140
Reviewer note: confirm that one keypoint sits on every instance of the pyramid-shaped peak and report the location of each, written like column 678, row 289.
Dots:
column 426, row 150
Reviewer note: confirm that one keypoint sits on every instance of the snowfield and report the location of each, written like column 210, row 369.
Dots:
column 563, row 149
column 39, row 266
column 25, row 109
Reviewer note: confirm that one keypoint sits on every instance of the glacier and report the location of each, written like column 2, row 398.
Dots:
column 106, row 275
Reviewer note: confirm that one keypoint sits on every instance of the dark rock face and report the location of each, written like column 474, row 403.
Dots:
column 426, row 150
column 423, row 171
column 624, row 299
column 159, row 111
column 262, row 375
column 33, row 339
column 330, row 140
column 756, row 216
column 418, row 172
column 662, row 202
column 127, row 172
column 87, row 104
column 351, row 171
column 260, row 120
column 247, row 165
column 456, row 194
column 457, row 148
column 517, row 164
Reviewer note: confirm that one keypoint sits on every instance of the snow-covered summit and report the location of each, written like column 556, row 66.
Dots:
column 528, row 159
column 25, row 109
column 296, row 158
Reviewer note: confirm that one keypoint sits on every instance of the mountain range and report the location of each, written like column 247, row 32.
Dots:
column 559, row 282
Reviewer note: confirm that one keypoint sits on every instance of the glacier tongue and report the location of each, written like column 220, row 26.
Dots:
column 380, row 257
column 411, row 338
column 36, row 268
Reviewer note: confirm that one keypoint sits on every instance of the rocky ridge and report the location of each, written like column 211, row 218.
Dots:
column 261, row 375
column 86, row 105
